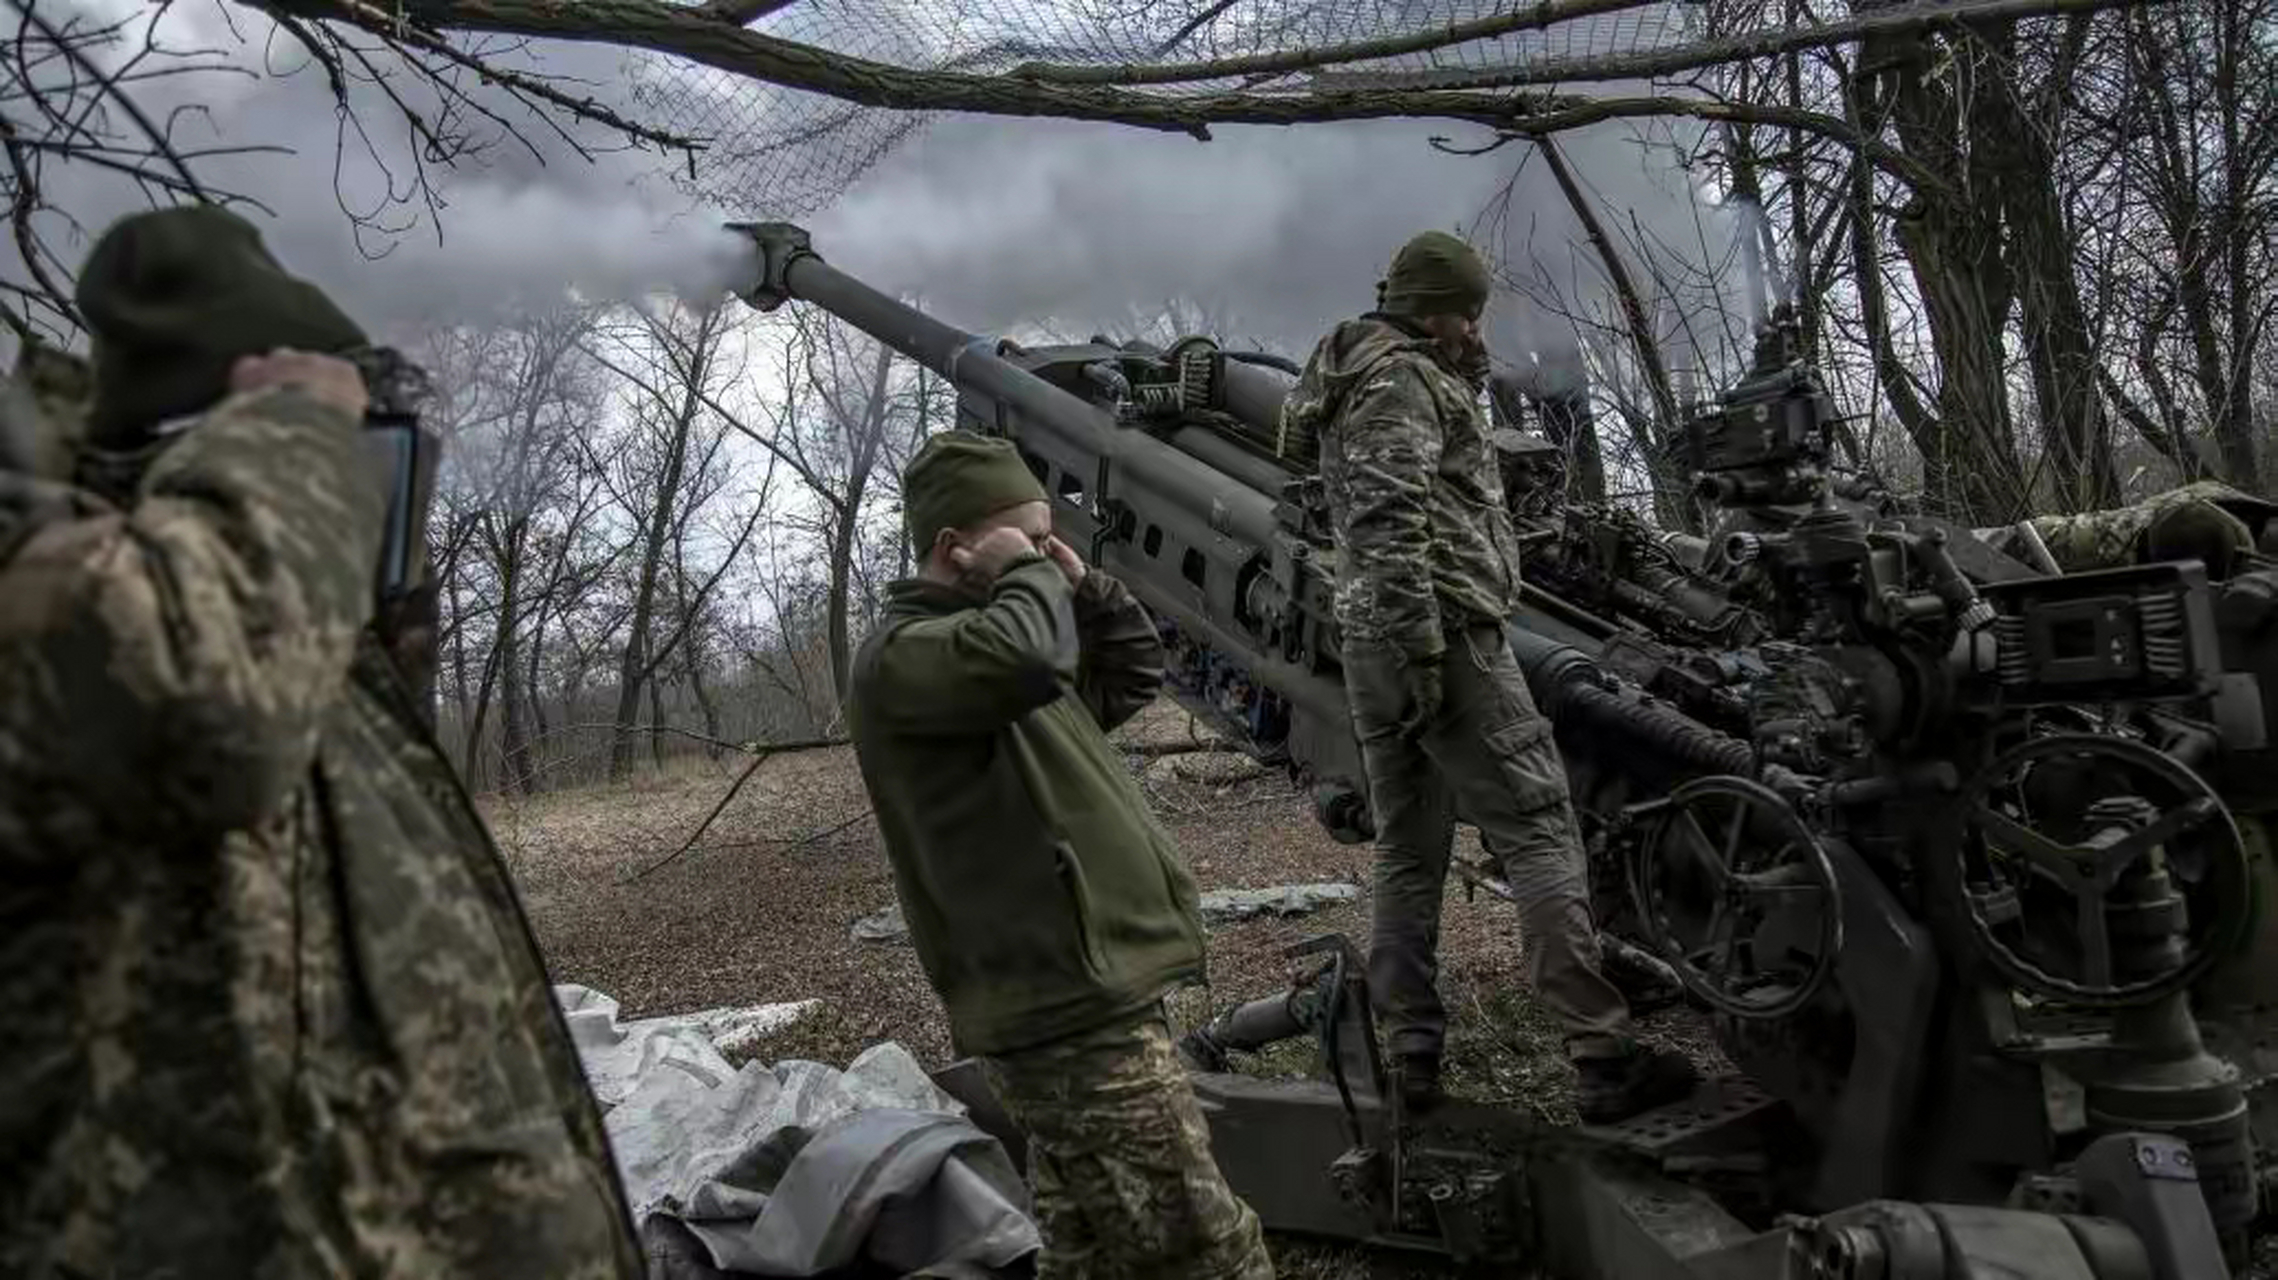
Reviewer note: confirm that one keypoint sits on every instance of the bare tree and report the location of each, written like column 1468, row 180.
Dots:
column 671, row 464
column 96, row 108
column 525, row 399
column 851, row 408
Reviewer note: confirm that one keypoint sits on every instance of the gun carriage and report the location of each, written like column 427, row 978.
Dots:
column 1945, row 842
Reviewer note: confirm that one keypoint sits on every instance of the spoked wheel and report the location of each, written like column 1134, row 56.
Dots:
column 1737, row 894
column 2096, row 870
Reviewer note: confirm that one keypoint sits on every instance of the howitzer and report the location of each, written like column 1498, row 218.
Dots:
column 1912, row 820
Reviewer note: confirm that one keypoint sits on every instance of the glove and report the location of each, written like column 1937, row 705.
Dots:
column 1420, row 677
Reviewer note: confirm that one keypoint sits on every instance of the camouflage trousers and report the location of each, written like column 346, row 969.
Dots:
column 1119, row 1156
column 1487, row 756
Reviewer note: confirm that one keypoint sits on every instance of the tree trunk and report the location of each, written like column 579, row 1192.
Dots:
column 633, row 670
column 656, row 721
column 692, row 657
column 868, row 439
column 533, row 687
column 629, row 681
column 2234, row 420
column 514, row 720
column 1969, row 467
column 478, row 764
column 1952, row 241
column 458, row 648
column 1670, row 503
column 841, row 570
column 2010, row 147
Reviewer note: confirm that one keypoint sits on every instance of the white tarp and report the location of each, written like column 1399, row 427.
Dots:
column 797, row 1169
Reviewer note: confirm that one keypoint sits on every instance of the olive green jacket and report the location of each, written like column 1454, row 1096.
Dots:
column 1042, row 896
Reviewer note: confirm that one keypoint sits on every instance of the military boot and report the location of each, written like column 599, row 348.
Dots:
column 1614, row 1087
column 1417, row 1076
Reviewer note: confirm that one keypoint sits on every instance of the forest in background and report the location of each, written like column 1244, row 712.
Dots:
column 2030, row 244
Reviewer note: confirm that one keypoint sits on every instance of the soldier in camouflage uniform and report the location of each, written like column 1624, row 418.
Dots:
column 1048, row 907
column 45, row 413
column 2204, row 521
column 1428, row 575
column 273, row 1010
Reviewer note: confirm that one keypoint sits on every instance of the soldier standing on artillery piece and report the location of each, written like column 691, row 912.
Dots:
column 1050, row 911
column 272, row 1009
column 1428, row 575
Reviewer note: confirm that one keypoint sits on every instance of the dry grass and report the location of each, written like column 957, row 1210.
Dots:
column 759, row 911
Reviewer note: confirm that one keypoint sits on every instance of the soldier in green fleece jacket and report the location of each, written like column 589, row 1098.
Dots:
column 1048, row 907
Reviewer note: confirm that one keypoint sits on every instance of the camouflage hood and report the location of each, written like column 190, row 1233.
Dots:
column 1337, row 365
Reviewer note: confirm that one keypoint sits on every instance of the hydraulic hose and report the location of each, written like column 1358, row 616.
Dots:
column 1566, row 684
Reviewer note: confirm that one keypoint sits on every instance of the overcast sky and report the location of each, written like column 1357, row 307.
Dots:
column 996, row 222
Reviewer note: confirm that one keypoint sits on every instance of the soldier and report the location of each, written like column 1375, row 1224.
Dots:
column 1050, row 911
column 2204, row 521
column 272, row 1006
column 48, row 390
column 1428, row 575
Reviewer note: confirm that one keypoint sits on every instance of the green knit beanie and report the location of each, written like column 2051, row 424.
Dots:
column 959, row 478
column 175, row 297
column 1435, row 274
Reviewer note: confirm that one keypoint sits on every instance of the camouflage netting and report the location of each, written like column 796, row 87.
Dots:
column 802, row 149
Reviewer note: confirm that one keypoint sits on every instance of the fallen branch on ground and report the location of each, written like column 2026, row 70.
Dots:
column 762, row 753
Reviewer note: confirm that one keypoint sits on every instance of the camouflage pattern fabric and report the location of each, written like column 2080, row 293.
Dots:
column 2113, row 539
column 1429, row 570
column 273, row 1009
column 54, row 385
column 1119, row 1157
column 1412, row 476
column 1488, row 757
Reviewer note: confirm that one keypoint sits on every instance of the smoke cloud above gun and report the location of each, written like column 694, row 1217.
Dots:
column 1279, row 232
column 520, row 226
column 995, row 225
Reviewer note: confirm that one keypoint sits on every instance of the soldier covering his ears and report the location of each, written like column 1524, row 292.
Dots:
column 274, row 1008
column 1428, row 575
column 1047, row 906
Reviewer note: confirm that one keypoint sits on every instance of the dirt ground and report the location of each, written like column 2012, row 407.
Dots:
column 758, row 910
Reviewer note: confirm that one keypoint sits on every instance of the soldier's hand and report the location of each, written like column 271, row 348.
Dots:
column 327, row 378
column 1423, row 686
column 1065, row 556
column 991, row 554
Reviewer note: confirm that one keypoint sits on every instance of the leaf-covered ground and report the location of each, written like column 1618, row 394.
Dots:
column 758, row 909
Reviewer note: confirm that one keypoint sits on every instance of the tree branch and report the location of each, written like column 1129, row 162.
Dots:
column 1937, row 15
column 742, row 13
column 1559, row 114
column 379, row 21
column 760, row 756
column 160, row 143
column 1533, row 17
column 685, row 33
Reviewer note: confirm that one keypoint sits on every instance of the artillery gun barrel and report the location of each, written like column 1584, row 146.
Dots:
column 1251, row 394
column 1205, row 495
column 1207, row 487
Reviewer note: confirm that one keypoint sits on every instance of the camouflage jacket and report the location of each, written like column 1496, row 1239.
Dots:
column 1424, row 542
column 272, row 1007
column 2111, row 539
